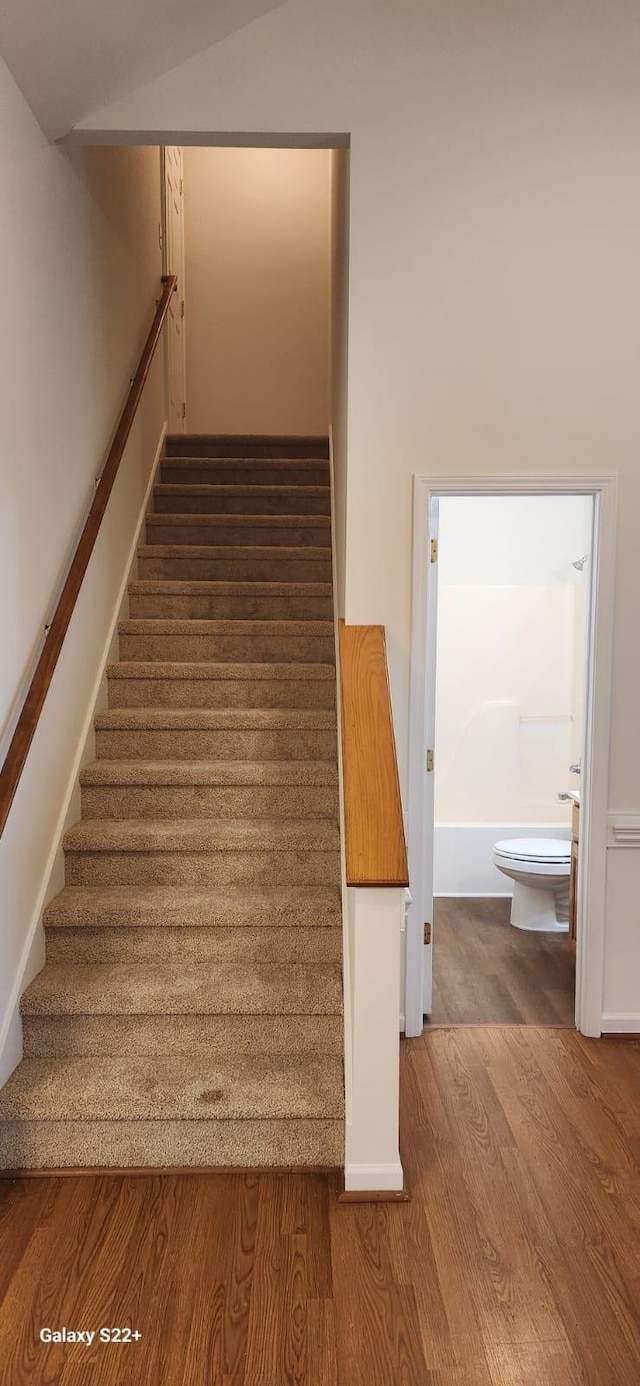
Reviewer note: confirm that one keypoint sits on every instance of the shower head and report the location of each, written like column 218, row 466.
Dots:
column 580, row 562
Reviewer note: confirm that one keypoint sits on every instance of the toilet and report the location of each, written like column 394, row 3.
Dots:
column 540, row 868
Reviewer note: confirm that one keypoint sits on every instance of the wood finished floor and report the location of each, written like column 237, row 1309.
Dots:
column 516, row 1263
column 485, row 972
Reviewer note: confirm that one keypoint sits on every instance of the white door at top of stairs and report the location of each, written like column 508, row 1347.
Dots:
column 173, row 263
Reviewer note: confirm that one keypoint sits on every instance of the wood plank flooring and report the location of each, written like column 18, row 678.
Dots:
column 485, row 972
column 516, row 1263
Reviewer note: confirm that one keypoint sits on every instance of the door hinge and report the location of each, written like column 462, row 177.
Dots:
column 427, row 933
column 182, row 309
column 429, row 760
column 184, row 411
column 181, row 186
column 434, row 550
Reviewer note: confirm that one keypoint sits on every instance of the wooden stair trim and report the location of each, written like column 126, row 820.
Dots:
column 376, row 853
column 168, row 1171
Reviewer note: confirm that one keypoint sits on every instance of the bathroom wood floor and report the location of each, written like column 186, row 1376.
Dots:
column 486, row 973
column 515, row 1263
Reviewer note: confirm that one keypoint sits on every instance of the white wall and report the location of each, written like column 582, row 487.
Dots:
column 495, row 277
column 79, row 243
column 257, row 229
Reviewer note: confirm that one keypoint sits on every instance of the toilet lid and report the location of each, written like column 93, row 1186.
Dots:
column 551, row 849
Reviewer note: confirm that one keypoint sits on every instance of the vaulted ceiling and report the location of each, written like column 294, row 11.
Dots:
column 71, row 57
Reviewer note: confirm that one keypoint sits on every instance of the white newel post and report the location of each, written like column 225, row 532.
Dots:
column 375, row 918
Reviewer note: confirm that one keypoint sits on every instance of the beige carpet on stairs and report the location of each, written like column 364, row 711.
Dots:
column 190, row 1009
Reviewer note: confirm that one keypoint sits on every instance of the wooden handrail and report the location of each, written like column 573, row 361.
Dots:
column 38, row 688
column 376, row 853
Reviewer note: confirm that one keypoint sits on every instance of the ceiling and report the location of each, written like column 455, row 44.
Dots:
column 71, row 57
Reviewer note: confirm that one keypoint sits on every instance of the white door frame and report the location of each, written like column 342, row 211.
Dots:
column 595, row 775
column 425, row 885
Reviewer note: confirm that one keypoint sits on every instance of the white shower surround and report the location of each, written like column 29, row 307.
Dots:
column 463, row 855
column 511, row 671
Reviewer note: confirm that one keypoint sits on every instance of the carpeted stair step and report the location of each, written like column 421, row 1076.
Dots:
column 201, row 685
column 201, row 851
column 210, row 789
column 244, row 471
column 252, row 445
column 194, row 945
column 103, row 924
column 233, row 563
column 180, row 1109
column 180, row 1087
column 224, row 989
column 165, row 599
column 283, row 1143
column 176, row 906
column 290, row 531
column 80, row 1034
column 260, row 734
column 310, row 642
column 233, row 499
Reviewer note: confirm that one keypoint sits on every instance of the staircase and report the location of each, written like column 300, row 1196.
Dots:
column 190, row 1008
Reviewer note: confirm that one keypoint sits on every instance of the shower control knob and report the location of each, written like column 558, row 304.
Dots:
column 575, row 769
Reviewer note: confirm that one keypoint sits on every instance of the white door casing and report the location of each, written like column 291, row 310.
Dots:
column 425, row 880
column 173, row 263
column 595, row 776
column 422, row 715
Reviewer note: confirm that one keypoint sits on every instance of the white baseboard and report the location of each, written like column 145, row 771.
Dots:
column 33, row 952
column 621, row 1023
column 369, row 1178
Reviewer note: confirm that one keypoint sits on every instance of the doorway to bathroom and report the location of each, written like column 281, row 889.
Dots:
column 508, row 751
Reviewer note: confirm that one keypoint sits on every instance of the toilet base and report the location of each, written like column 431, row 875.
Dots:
column 540, row 911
